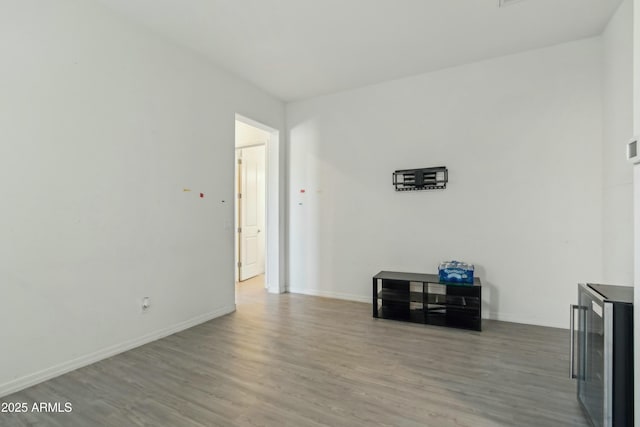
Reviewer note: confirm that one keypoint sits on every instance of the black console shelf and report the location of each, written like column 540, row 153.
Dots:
column 423, row 298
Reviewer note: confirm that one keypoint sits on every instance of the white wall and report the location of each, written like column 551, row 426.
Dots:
column 522, row 138
column 618, row 213
column 636, row 207
column 618, row 128
column 102, row 125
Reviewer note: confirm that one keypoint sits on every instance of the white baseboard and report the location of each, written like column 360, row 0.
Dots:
column 60, row 369
column 503, row 317
column 328, row 294
column 517, row 318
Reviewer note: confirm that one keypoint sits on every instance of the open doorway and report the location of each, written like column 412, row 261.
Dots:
column 269, row 221
column 250, row 213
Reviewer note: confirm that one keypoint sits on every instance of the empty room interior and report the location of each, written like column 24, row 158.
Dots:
column 319, row 212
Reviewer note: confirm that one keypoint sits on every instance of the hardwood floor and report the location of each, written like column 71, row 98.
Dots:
column 294, row 360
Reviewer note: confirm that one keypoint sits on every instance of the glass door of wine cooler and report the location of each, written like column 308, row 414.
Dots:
column 589, row 368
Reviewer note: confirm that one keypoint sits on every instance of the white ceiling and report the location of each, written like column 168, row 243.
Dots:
column 296, row 49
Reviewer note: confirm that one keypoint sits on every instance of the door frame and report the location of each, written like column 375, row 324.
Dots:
column 275, row 208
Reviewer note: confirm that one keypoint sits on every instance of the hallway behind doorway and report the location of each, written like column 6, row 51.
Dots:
column 250, row 213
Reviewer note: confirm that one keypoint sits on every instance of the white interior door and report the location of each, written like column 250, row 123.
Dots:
column 252, row 212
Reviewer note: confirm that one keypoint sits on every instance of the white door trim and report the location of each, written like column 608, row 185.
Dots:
column 275, row 238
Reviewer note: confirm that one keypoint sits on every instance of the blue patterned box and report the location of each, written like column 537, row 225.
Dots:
column 455, row 272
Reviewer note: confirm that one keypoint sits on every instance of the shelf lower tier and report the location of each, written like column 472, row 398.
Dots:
column 453, row 318
column 462, row 301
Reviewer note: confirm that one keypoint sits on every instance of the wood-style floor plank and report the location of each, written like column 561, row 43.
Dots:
column 294, row 360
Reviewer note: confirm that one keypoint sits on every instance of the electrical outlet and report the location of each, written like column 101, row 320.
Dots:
column 146, row 304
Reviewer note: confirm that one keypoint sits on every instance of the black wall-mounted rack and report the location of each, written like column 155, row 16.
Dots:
column 421, row 179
